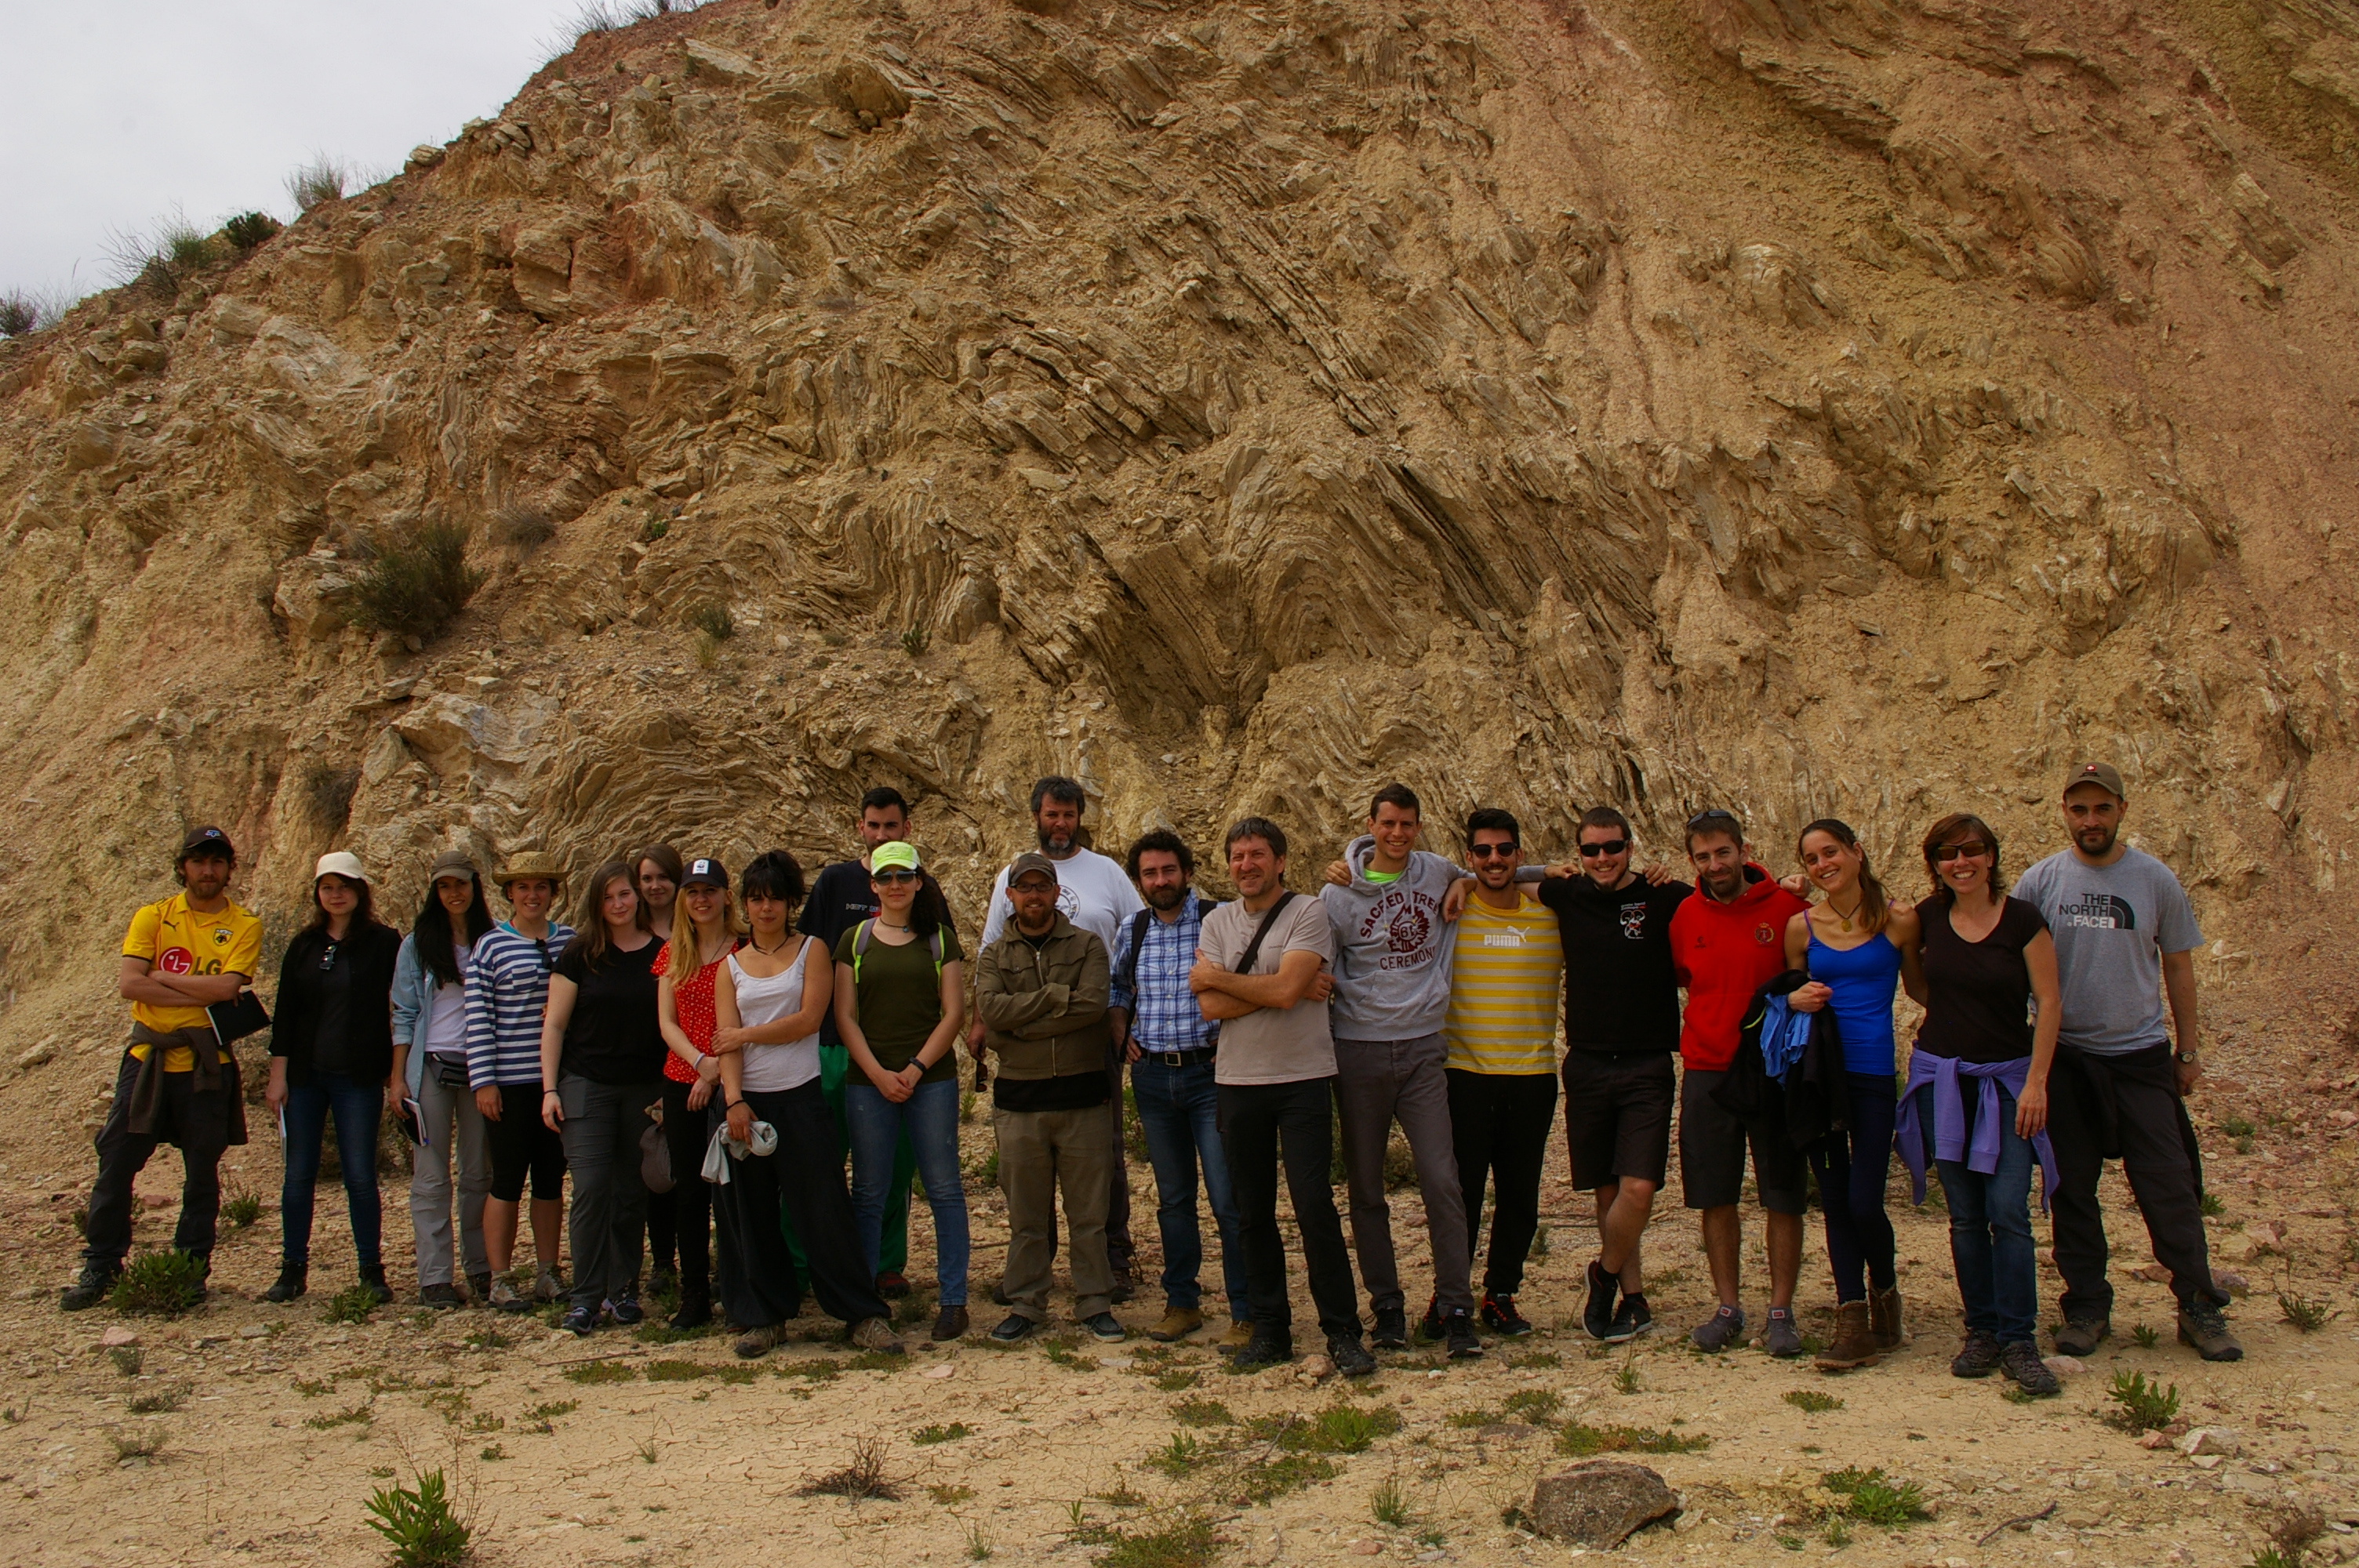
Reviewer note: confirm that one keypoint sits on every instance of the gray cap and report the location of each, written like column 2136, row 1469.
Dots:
column 1029, row 862
column 451, row 863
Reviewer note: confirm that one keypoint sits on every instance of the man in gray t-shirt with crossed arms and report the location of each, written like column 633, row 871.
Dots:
column 2124, row 935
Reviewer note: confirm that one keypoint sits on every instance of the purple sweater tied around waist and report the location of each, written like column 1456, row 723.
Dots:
column 1949, row 1129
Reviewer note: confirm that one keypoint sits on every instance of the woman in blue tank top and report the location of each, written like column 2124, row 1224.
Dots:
column 1855, row 943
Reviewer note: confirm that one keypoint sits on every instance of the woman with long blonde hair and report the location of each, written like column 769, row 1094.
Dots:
column 704, row 933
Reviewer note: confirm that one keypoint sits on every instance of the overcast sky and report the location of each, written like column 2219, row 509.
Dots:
column 115, row 113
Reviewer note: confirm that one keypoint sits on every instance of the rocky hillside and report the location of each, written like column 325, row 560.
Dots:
column 1824, row 405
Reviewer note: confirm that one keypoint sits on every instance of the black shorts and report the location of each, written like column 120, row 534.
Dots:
column 1712, row 1153
column 522, row 1144
column 1618, row 1115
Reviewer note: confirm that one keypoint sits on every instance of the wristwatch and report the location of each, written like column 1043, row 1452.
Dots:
column 2189, row 1057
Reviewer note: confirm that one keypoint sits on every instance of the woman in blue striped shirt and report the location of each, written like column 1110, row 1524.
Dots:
column 507, row 991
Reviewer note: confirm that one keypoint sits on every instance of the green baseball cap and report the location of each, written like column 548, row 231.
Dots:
column 898, row 855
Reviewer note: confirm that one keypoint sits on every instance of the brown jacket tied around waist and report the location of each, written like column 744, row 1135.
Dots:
column 1044, row 1008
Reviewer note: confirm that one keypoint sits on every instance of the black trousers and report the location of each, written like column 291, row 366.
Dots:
column 803, row 1177
column 198, row 1124
column 1257, row 1123
column 680, row 1222
column 2125, row 1108
column 1499, row 1124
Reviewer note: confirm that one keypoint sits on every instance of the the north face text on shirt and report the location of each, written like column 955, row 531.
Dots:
column 2100, row 910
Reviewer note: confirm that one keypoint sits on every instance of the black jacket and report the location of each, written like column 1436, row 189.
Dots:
column 1812, row 1101
column 371, row 949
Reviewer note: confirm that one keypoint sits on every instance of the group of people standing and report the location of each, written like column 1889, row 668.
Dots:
column 702, row 1057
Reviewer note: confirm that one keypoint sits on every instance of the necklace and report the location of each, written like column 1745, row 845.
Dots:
column 1847, row 919
column 889, row 925
column 774, row 952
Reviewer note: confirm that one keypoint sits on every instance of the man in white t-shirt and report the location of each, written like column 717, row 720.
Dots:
column 1096, row 893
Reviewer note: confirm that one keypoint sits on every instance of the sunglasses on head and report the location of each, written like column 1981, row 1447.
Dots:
column 1715, row 815
column 1974, row 848
column 1493, row 851
column 1608, row 846
column 894, row 876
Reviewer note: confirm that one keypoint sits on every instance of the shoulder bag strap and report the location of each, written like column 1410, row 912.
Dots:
column 1253, row 948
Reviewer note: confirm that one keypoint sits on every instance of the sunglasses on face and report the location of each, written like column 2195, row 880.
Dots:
column 896, row 877
column 1610, row 846
column 1493, row 851
column 1973, row 849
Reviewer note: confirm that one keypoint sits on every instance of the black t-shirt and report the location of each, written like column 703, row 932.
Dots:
column 839, row 899
column 1620, row 991
column 612, row 1037
column 328, row 1044
column 1978, row 994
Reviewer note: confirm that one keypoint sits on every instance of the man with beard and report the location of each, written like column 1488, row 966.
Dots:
column 1170, row 1045
column 2124, row 935
column 1094, row 893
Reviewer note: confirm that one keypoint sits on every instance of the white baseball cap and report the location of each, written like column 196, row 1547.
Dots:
column 340, row 863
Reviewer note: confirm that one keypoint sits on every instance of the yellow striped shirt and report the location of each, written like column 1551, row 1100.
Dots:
column 1503, row 988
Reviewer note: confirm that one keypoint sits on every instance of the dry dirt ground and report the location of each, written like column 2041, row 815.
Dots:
column 619, row 1450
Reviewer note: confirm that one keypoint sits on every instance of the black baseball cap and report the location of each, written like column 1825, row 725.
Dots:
column 703, row 873
column 207, row 843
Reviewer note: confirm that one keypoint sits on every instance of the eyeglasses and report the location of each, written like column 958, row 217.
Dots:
column 1973, row 849
column 1493, row 851
column 893, row 876
column 1610, row 846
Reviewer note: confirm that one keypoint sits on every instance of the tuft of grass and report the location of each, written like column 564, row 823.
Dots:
column 2237, row 1125
column 1186, row 1542
column 1579, row 1440
column 978, row 1544
column 1286, row 1473
column 523, row 527
column 2142, row 1406
column 1339, row 1429
column 137, row 1442
column 350, row 1415
column 2144, row 1335
column 1837, row 1533
column 914, row 641
column 493, row 1453
column 862, row 1477
column 156, row 1402
column 417, row 582
column 714, row 621
column 18, row 315
column 1811, row 1400
column 350, row 1305
column 248, row 230
column 1171, row 1382
column 601, row 1372
column 1201, row 1413
column 1179, row 1457
column 1121, row 1494
column 421, row 1524
column 1626, row 1379
column 1390, row 1503
column 2015, row 1396
column 2304, row 1313
column 676, row 1371
column 15, row 1415
column 950, row 1494
column 184, row 248
column 159, row 1284
column 818, row 1371
column 875, row 1361
column 926, row 1436
column 2212, row 1208
column 322, row 178
column 647, row 1449
column 128, row 1359
column 654, row 528
column 1540, row 1241
column 1872, row 1498
column 313, row 1388
column 241, row 1208
column 328, row 792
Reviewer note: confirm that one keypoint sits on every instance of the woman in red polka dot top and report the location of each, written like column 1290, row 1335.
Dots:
column 691, row 1072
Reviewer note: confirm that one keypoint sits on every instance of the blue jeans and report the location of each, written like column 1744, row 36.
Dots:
column 930, row 1119
column 1179, row 1109
column 1990, row 1231
column 357, row 1105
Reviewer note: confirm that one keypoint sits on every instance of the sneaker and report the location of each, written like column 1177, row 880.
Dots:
column 1177, row 1323
column 2081, row 1336
column 441, row 1298
column 503, row 1298
column 1782, row 1338
column 545, row 1286
column 628, row 1312
column 1979, row 1357
column 758, row 1342
column 950, row 1324
column 1597, row 1314
column 875, row 1334
column 1430, row 1327
column 293, row 1280
column 1500, row 1316
column 1106, row 1326
column 1238, row 1335
column 579, row 1322
column 1631, row 1319
column 1718, row 1331
column 1392, row 1329
column 1265, row 1350
column 479, row 1288
column 2201, row 1325
column 892, row 1284
column 2023, row 1364
column 1013, row 1327
column 89, row 1287
column 1351, row 1358
column 1458, row 1329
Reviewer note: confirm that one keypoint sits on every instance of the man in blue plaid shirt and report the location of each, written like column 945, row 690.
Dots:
column 1165, row 1035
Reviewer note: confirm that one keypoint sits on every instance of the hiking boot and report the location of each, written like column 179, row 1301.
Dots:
column 1854, row 1343
column 1013, row 1327
column 1718, row 1331
column 1500, row 1316
column 1238, row 1335
column 479, row 1289
column 627, row 1311
column 2201, row 1325
column 757, row 1342
column 1351, row 1358
column 950, row 1324
column 1430, row 1327
column 441, row 1298
column 1392, row 1329
column 1458, row 1329
column 1121, row 1289
column 1783, row 1337
column 1979, row 1357
column 695, row 1310
column 2023, row 1364
column 89, row 1289
column 1597, row 1314
column 875, row 1334
column 579, row 1322
column 1106, row 1326
column 2081, row 1336
column 545, row 1286
column 373, row 1281
column 1884, row 1317
column 1631, row 1319
column 892, row 1284
column 504, row 1297
column 1266, row 1349
column 293, row 1280
column 1178, row 1323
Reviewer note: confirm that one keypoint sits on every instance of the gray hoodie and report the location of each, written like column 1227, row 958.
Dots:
column 1392, row 948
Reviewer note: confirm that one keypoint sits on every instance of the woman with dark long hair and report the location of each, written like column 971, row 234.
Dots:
column 331, row 1052
column 429, row 1069
column 601, row 1067
column 702, row 937
column 1977, row 1102
column 1857, row 944
column 656, row 873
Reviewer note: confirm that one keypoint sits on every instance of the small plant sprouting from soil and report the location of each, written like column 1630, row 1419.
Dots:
column 156, row 1402
column 351, row 1306
column 1390, row 1503
column 2144, row 1335
column 1201, row 1413
column 241, row 1208
column 862, row 1477
column 2142, row 1406
column 2304, row 1313
column 159, row 1284
column 421, row 1524
column 601, row 1372
column 128, row 1359
column 926, row 1436
column 137, row 1442
column 1812, row 1401
column 1872, row 1498
column 1577, row 1440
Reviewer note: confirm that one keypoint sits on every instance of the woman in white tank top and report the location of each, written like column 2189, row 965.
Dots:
column 768, row 1000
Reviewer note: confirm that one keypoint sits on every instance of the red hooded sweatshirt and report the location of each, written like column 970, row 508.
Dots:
column 1723, row 953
